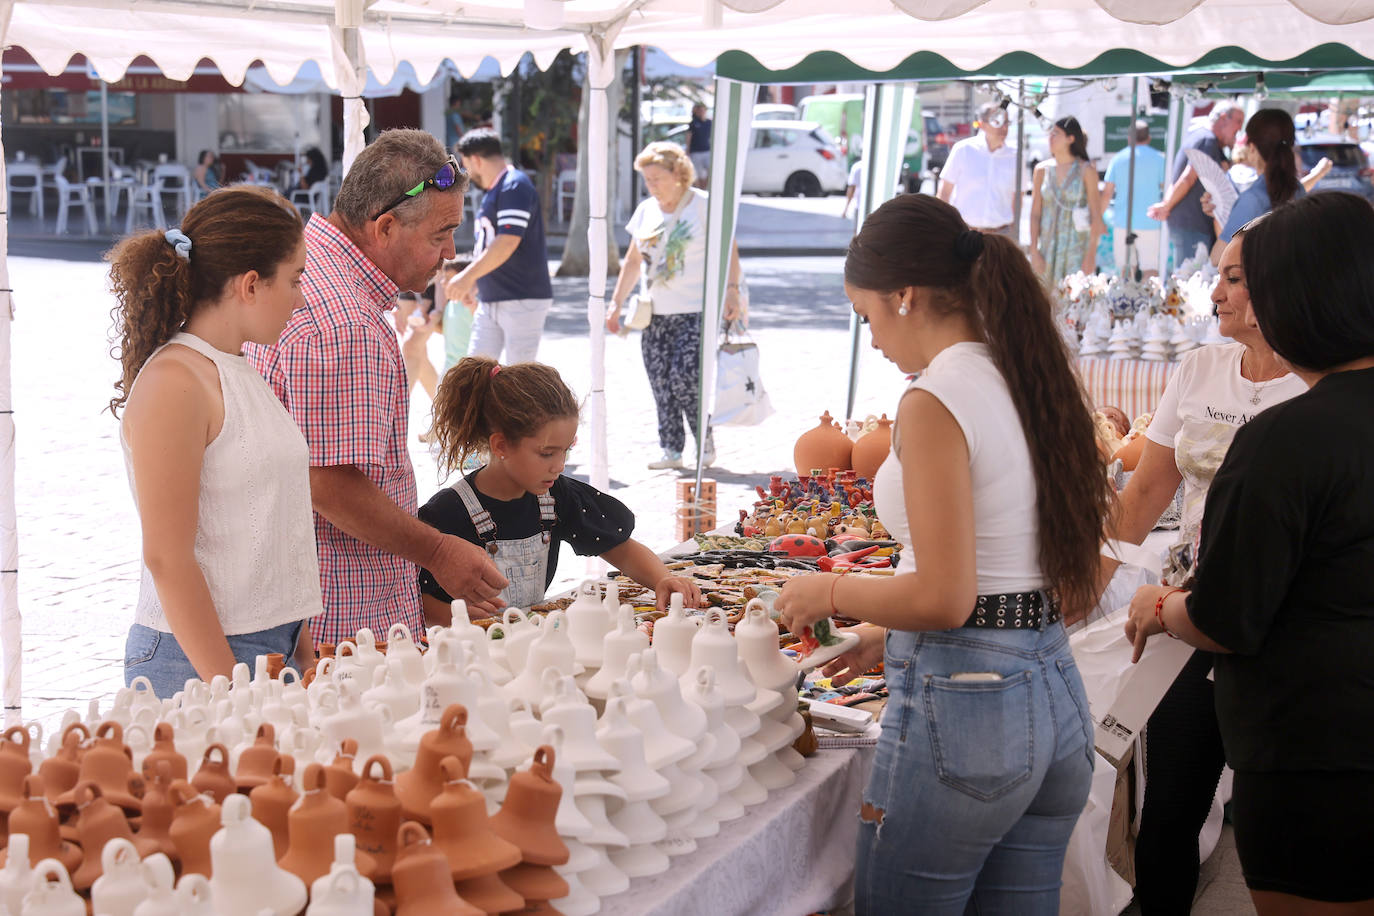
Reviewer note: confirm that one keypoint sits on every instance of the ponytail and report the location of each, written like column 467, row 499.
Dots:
column 479, row 397
column 1271, row 134
column 919, row 240
column 160, row 280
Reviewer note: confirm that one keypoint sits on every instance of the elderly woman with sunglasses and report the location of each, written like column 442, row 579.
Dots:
column 339, row 371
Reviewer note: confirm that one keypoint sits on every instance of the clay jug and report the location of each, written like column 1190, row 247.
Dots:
column 417, row 786
column 535, row 883
column 872, row 448
column 256, row 760
column 312, row 824
column 120, row 887
column 97, row 823
column 154, row 828
column 528, row 815
column 822, row 447
column 51, row 893
column 246, row 879
column 273, row 800
column 194, row 823
column 14, row 766
column 462, row 829
column 213, row 776
column 61, row 771
column 37, row 818
column 108, row 764
column 165, row 749
column 374, row 815
column 339, row 776
column 16, row 876
column 421, row 877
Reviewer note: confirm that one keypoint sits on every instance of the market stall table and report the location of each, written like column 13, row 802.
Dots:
column 1134, row 385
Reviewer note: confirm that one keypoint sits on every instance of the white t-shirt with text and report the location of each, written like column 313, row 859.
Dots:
column 674, row 250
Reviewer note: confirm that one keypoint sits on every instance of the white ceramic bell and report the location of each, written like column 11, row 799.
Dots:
column 673, row 636
column 143, row 697
column 158, row 878
column 553, row 686
column 120, row 887
column 772, row 774
column 678, row 842
column 750, row 752
column 391, row 689
column 553, row 648
column 245, row 878
column 756, row 636
column 366, row 725
column 637, row 821
column 580, row 901
column 342, row 892
column 611, row 601
column 714, row 646
column 520, row 630
column 570, row 822
column 790, row 758
column 661, row 746
column 681, row 794
column 474, row 640
column 194, row 897
column 617, row 647
column 17, row 875
column 366, row 651
column 653, row 683
column 575, row 716
column 742, row 721
column 750, row 791
column 623, row 741
column 498, row 641
column 707, row 696
column 641, row 861
column 588, row 624
column 50, row 892
column 728, row 778
column 604, row 879
column 523, row 734
column 399, row 644
column 593, row 808
column 138, row 738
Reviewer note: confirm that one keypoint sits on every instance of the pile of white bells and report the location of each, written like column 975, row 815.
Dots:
column 657, row 746
column 1155, row 338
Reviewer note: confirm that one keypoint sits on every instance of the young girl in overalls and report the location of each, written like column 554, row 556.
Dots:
column 519, row 505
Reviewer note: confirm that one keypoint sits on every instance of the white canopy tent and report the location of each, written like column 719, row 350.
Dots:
column 348, row 38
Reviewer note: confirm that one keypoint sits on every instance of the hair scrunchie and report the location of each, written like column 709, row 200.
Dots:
column 180, row 242
column 969, row 245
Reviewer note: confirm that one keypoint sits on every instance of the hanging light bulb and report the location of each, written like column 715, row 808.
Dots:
column 1261, row 88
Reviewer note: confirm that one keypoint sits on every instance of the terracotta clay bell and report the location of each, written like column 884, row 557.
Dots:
column 154, row 828
column 213, row 776
column 15, row 764
column 194, row 822
column 374, row 815
column 422, row 880
column 312, row 825
column 273, row 800
column 418, row 786
column 61, row 771
column 98, row 821
column 37, row 818
column 339, row 777
column 536, row 883
column 256, row 760
column 527, row 816
column 109, row 764
column 462, row 831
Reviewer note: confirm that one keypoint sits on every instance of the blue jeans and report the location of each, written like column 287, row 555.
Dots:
column 977, row 780
column 1184, row 242
column 157, row 656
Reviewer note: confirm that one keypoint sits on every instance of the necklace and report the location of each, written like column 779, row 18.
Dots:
column 1256, row 387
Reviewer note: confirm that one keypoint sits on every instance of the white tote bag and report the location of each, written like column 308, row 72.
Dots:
column 740, row 397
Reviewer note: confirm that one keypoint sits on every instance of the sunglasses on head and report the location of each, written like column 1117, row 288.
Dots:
column 445, row 178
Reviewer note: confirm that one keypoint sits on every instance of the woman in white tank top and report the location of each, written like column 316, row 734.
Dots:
column 218, row 469
column 995, row 486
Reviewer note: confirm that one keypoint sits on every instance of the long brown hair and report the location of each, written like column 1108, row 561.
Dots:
column 919, row 240
column 232, row 231
column 1271, row 134
column 479, row 397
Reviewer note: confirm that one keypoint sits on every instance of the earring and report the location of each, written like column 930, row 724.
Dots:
column 904, row 309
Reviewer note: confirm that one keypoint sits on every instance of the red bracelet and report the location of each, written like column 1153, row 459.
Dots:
column 834, row 582
column 1159, row 612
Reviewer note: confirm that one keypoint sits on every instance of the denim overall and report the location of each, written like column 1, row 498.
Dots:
column 524, row 561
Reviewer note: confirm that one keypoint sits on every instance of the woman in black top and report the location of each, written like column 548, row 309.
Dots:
column 1284, row 592
column 316, row 169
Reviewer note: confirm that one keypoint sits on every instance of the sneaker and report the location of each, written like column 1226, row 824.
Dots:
column 669, row 460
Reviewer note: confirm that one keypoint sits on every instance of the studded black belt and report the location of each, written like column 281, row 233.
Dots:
column 1013, row 611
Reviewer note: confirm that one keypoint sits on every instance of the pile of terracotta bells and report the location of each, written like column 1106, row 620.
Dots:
column 536, row 766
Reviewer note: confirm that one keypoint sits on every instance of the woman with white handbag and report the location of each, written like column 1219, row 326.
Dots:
column 668, row 247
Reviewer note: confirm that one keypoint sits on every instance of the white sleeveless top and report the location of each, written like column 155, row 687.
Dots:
column 255, row 535
column 1006, row 531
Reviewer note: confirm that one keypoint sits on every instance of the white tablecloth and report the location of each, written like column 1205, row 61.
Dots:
column 791, row 855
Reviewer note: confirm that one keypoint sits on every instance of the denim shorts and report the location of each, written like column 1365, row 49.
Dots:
column 157, row 656
column 982, row 769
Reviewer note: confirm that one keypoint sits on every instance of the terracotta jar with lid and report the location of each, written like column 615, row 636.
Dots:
column 154, row 828
column 871, row 450
column 374, row 815
column 213, row 777
column 165, row 749
column 256, row 760
column 527, row 816
column 272, row 803
column 339, row 777
column 312, row 825
column 194, row 822
column 417, row 786
column 61, row 770
column 109, row 764
column 98, row 821
column 822, row 447
column 36, row 818
column 421, row 877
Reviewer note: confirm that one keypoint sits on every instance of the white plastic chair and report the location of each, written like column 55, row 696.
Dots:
column 565, row 191
column 174, row 178
column 73, row 196
column 51, row 172
column 145, row 197
column 31, row 184
column 314, row 199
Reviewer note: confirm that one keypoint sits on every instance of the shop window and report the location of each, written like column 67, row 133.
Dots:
column 268, row 123
column 64, row 106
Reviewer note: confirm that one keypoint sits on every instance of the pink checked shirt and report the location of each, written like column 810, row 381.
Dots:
column 338, row 370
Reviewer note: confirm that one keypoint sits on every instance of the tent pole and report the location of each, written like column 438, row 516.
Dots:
column 11, row 620
column 105, row 148
column 600, row 74
column 1020, row 156
column 1132, row 259
column 350, row 75
column 1176, row 129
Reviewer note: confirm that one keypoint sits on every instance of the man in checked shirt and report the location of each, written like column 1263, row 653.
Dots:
column 339, row 371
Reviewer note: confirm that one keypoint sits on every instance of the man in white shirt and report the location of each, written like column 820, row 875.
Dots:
column 979, row 178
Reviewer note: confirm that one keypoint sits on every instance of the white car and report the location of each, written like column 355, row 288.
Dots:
column 794, row 158
column 773, row 111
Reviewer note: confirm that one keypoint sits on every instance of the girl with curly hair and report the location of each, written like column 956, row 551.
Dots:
column 219, row 471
